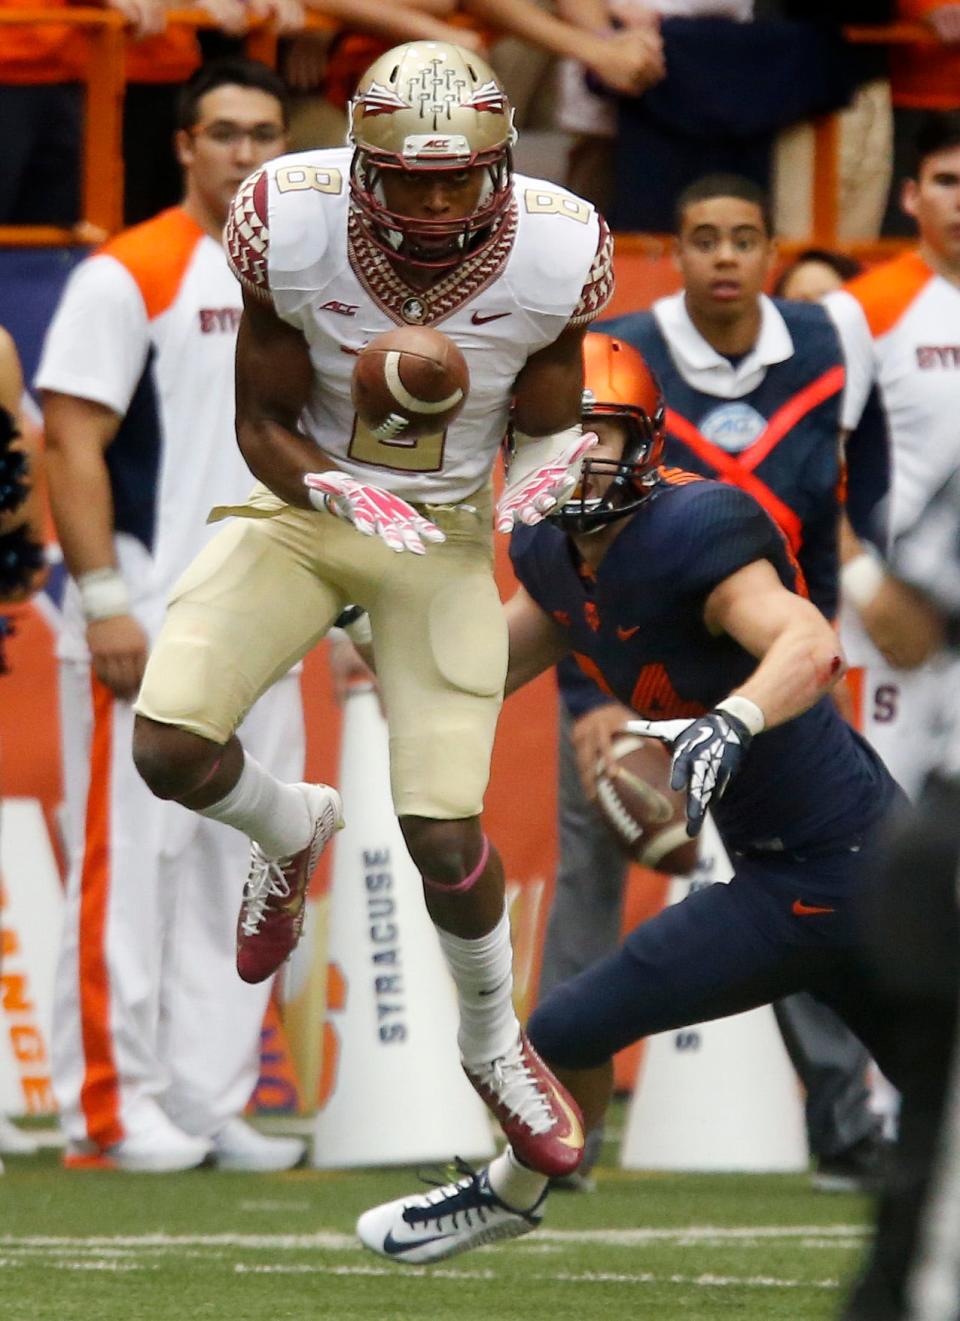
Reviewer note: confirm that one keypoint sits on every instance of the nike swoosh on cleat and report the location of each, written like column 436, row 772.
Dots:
column 800, row 909
column 394, row 1248
column 574, row 1138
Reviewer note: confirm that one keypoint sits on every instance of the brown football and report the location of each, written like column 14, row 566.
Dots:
column 647, row 816
column 409, row 382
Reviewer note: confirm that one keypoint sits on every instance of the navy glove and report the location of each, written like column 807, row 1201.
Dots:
column 705, row 757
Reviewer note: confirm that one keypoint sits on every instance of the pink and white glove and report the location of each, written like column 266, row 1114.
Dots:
column 532, row 494
column 372, row 511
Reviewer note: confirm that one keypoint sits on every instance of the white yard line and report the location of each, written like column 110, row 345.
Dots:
column 143, row 1252
column 706, row 1281
column 703, row 1281
column 842, row 1235
column 269, row 1204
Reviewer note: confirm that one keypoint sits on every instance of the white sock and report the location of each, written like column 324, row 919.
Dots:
column 515, row 1184
column 275, row 814
column 483, row 972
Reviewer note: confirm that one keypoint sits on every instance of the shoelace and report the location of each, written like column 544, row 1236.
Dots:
column 513, row 1082
column 264, row 882
column 471, row 1196
column 464, row 1195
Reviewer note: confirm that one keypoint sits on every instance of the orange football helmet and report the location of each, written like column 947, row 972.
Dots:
column 618, row 385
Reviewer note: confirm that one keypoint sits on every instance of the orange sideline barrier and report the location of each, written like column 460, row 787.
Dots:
column 103, row 162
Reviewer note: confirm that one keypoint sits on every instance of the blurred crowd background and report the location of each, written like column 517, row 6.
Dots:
column 625, row 101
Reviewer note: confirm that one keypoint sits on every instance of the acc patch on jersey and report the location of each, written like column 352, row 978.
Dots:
column 733, row 426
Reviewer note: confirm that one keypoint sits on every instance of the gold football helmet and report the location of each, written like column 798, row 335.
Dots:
column 430, row 106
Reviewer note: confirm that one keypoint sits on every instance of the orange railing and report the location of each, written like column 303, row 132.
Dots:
column 103, row 163
column 102, row 191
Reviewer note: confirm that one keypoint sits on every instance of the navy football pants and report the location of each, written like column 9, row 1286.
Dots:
column 729, row 948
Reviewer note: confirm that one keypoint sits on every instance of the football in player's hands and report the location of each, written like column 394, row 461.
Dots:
column 648, row 818
column 409, row 382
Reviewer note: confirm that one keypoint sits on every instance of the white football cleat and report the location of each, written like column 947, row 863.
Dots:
column 453, row 1218
column 155, row 1146
column 238, row 1146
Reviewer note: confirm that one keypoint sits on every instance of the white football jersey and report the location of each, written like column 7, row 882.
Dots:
column 900, row 328
column 291, row 237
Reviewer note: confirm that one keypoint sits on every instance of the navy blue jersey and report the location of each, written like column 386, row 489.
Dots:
column 637, row 628
column 781, row 439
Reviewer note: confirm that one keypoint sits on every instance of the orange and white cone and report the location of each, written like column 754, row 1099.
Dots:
column 392, row 1089
column 721, row 1095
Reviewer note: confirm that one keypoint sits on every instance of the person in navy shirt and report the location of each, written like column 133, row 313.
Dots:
column 680, row 596
column 753, row 389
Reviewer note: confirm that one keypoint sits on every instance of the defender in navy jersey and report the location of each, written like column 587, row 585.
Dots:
column 677, row 594
column 752, row 391
column 644, row 635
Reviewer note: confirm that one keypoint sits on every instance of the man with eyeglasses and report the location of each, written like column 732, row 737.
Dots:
column 155, row 1039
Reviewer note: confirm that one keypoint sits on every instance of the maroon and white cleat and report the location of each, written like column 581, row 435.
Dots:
column 539, row 1117
column 272, row 912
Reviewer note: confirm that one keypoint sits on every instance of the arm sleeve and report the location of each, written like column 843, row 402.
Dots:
column 858, row 353
column 97, row 343
column 246, row 237
column 598, row 286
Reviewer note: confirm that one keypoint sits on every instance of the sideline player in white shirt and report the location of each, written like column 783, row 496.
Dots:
column 422, row 223
column 900, row 328
column 155, row 1041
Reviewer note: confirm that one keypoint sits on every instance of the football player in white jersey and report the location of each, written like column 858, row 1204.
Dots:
column 421, row 222
column 900, row 327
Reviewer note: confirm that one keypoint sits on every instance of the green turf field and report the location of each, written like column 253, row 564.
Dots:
column 101, row 1246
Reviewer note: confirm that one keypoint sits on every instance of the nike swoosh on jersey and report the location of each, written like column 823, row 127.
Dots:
column 393, row 1247
column 481, row 318
column 800, row 909
column 624, row 633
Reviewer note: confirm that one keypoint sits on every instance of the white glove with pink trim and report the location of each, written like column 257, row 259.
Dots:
column 372, row 511
column 539, row 480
